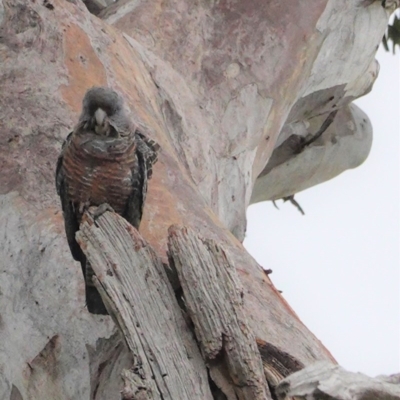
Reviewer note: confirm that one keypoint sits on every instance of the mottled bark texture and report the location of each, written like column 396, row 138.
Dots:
column 219, row 85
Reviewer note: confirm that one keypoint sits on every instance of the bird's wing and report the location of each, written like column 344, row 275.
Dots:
column 146, row 151
column 70, row 218
column 150, row 149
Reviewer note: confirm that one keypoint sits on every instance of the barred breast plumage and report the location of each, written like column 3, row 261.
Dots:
column 100, row 172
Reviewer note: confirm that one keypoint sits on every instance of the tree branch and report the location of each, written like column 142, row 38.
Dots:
column 323, row 381
column 135, row 289
column 214, row 298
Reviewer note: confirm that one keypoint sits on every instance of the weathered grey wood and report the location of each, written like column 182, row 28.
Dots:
column 214, row 297
column 322, row 381
column 133, row 387
column 133, row 284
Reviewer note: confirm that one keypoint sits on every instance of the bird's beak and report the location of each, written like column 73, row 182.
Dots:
column 100, row 116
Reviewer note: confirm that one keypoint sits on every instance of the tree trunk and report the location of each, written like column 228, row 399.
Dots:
column 223, row 87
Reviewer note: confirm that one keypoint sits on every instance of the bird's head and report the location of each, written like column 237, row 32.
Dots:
column 103, row 113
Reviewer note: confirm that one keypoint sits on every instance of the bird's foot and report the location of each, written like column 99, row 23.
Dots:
column 96, row 212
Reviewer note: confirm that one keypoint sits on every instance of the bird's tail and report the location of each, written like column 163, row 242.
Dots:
column 94, row 301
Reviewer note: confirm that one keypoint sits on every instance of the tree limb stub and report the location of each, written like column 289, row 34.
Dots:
column 135, row 289
column 214, row 297
column 322, row 381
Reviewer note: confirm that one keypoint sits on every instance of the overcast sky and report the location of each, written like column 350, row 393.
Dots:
column 339, row 265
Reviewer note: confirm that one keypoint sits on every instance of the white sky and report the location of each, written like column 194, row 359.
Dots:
column 339, row 266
